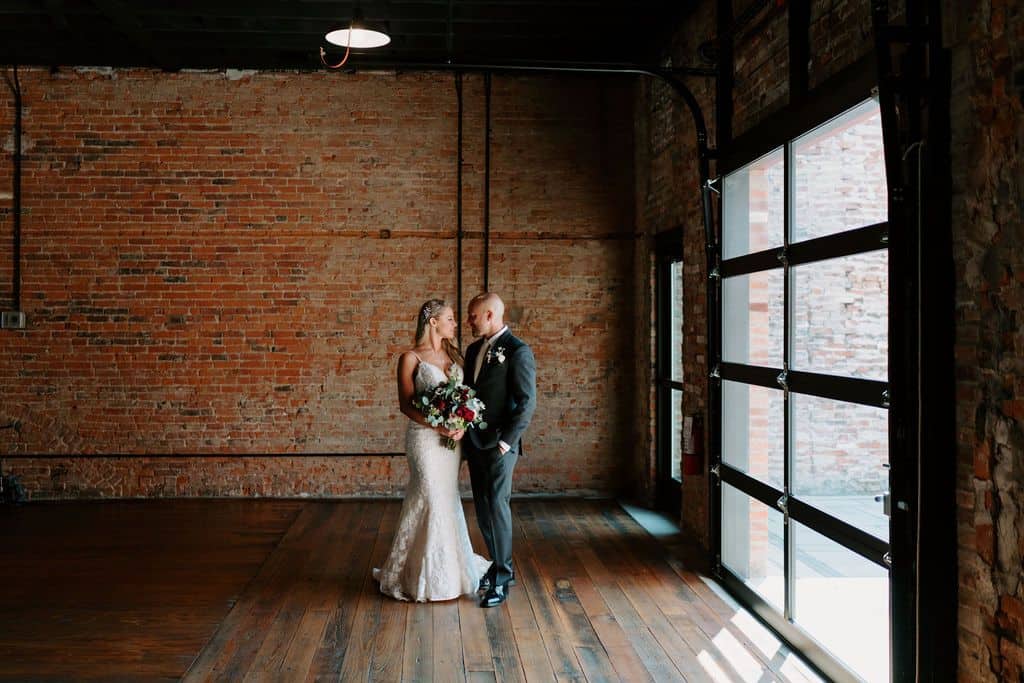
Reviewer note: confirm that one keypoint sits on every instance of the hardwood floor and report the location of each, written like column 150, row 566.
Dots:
column 125, row 590
column 282, row 590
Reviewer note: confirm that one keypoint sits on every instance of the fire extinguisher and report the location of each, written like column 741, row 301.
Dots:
column 693, row 444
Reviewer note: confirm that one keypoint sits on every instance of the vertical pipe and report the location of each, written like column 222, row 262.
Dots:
column 487, row 180
column 458, row 207
column 16, row 192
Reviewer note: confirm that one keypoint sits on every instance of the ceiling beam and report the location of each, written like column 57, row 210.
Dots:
column 62, row 32
column 55, row 8
column 130, row 26
column 173, row 34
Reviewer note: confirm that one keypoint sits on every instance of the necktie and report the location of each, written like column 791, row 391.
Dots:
column 481, row 354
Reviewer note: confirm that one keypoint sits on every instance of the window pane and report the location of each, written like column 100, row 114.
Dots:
column 841, row 316
column 676, row 326
column 752, row 206
column 839, row 175
column 842, row 600
column 839, row 452
column 752, row 430
column 752, row 544
column 676, row 403
column 753, row 319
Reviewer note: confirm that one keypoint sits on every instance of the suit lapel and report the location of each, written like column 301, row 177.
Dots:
column 497, row 343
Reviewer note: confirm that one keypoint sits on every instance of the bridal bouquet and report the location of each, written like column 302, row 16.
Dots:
column 451, row 405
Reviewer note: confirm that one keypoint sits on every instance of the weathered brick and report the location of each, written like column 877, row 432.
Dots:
column 987, row 111
column 230, row 267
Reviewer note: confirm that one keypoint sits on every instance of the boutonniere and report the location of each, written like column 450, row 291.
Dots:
column 498, row 353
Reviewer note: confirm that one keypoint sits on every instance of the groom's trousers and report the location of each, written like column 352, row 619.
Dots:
column 490, row 474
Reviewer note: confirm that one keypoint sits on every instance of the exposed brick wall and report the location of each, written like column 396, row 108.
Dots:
column 206, row 271
column 6, row 201
column 987, row 39
column 667, row 196
column 840, row 33
column 761, row 66
column 667, row 173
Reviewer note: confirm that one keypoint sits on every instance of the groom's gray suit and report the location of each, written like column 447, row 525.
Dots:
column 507, row 386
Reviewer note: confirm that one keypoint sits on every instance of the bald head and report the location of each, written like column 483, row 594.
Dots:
column 489, row 301
column 486, row 314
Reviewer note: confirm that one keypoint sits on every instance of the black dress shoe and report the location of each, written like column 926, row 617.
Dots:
column 495, row 596
column 486, row 582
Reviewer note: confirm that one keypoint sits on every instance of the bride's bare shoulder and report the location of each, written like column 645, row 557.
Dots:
column 408, row 359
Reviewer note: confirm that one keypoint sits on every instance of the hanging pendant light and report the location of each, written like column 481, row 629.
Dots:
column 357, row 38
column 357, row 35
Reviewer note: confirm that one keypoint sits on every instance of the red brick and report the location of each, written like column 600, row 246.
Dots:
column 167, row 282
column 984, row 542
column 981, row 461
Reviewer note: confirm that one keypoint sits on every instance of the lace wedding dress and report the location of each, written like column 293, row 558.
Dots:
column 431, row 557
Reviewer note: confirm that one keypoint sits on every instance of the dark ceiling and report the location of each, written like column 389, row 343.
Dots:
column 287, row 34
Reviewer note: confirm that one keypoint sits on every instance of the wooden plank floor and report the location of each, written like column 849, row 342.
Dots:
column 282, row 590
column 127, row 590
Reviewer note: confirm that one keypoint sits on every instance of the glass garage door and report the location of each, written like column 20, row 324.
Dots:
column 803, row 504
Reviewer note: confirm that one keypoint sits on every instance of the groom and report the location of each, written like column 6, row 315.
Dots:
column 502, row 370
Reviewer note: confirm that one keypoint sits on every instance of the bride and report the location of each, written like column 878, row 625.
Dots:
column 431, row 557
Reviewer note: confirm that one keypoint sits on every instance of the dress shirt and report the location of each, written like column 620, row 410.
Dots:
column 481, row 355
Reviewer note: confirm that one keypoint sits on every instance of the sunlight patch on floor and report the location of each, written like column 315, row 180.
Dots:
column 709, row 664
column 738, row 657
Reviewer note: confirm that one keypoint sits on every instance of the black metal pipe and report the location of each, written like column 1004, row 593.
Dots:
column 16, row 191
column 458, row 209
column 525, row 66
column 670, row 76
column 487, row 181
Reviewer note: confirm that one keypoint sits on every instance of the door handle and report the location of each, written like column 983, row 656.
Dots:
column 886, row 500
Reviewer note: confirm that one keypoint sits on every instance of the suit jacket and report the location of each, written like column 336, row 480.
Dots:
column 508, row 389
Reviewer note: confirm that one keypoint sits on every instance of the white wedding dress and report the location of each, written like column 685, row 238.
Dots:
column 431, row 557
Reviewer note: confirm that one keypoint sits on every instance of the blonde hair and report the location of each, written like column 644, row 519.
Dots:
column 429, row 310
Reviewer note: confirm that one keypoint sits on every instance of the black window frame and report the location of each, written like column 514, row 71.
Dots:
column 846, row 91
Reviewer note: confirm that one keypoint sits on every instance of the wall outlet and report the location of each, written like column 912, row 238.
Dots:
column 12, row 320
